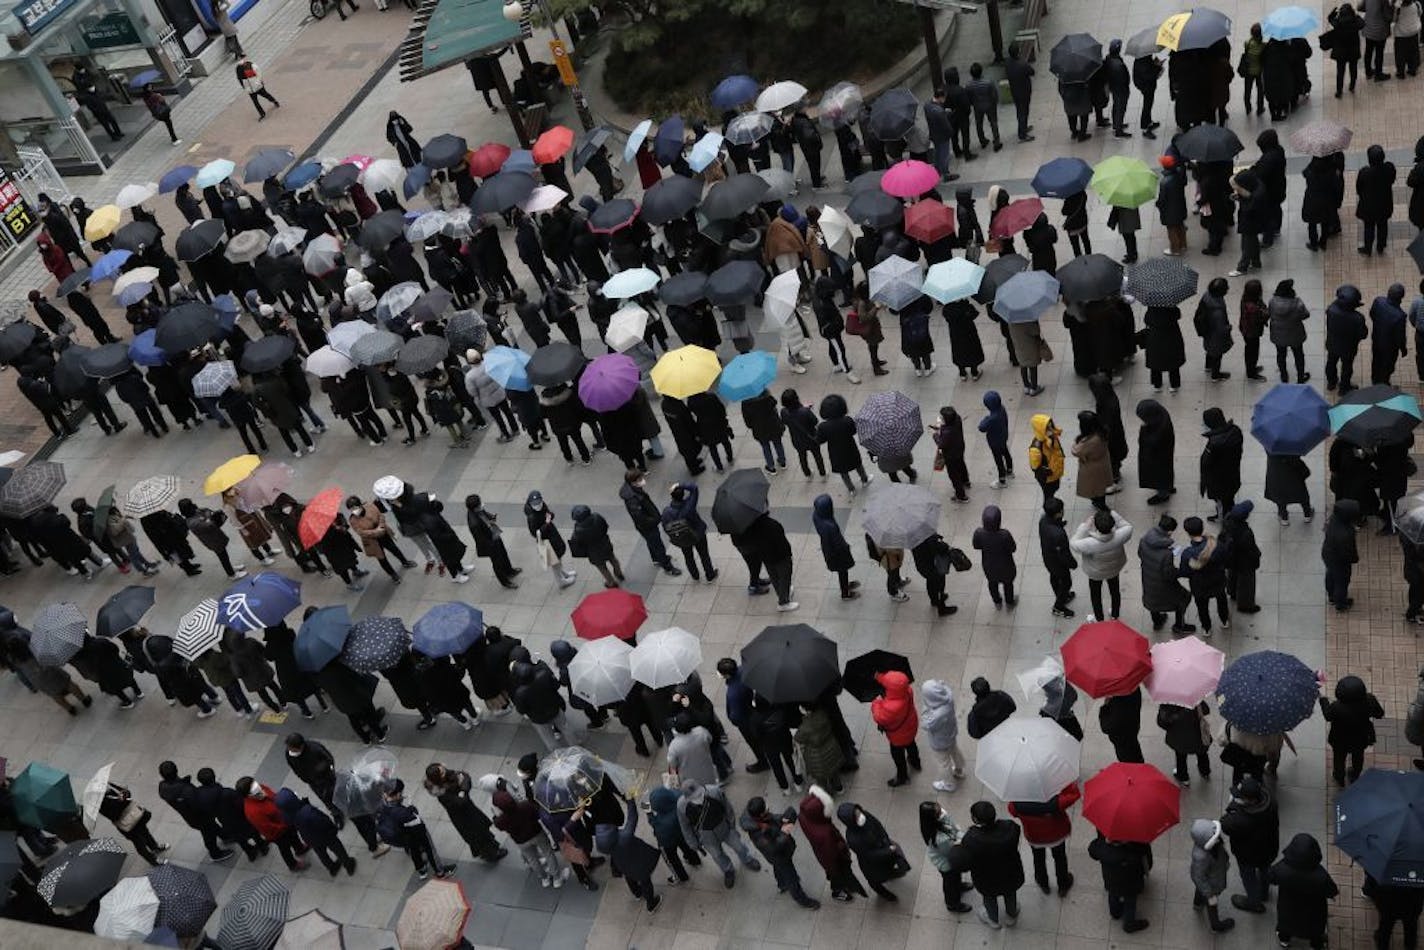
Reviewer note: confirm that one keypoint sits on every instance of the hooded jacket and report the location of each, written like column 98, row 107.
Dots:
column 1389, row 326
column 874, row 849
column 1253, row 826
column 517, row 818
column 995, row 425
column 834, row 546
column 662, row 816
column 1339, row 545
column 590, row 535
column 1046, row 824
column 1124, row 865
column 826, row 841
column 313, row 824
column 1161, row 591
column 1244, row 553
column 1210, row 860
column 264, row 815
column 1103, row 556
column 1221, row 456
column 820, row 751
column 1344, row 324
column 937, row 716
column 1156, row 447
column 1374, row 187
column 1306, row 889
column 759, row 414
column 997, row 546
column 696, row 819
column 1286, row 315
column 894, row 711
column 1045, row 451
column 996, row 867
column 1351, row 714
column 991, row 707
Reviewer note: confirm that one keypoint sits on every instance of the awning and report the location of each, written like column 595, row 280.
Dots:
column 446, row 33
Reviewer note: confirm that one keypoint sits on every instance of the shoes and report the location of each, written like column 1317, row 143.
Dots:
column 1133, row 926
column 984, row 919
column 1065, row 884
column 729, row 878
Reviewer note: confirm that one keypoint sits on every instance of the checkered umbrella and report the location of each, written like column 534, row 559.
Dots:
column 214, row 379
column 82, row 872
column 421, row 354
column 375, row 643
column 1161, row 282
column 896, row 282
column 150, row 495
column 434, row 916
column 128, row 911
column 185, row 899
column 57, row 634
column 375, row 348
column 31, row 488
column 198, row 631
column 466, row 330
column 253, row 918
column 889, row 424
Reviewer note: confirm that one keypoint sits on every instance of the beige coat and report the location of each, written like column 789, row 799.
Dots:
column 1094, row 467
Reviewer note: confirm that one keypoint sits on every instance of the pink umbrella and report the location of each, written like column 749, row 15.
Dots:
column 1184, row 671
column 608, row 382
column 360, row 161
column 909, row 179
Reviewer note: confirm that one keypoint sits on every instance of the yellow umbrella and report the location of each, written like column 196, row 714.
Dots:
column 103, row 222
column 230, row 473
column 1169, row 34
column 686, row 371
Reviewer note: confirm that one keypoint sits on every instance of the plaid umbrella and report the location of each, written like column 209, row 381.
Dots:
column 600, row 672
column 198, row 631
column 375, row 644
column 896, row 282
column 433, row 917
column 889, row 424
column 57, row 633
column 128, row 911
column 124, row 610
column 150, row 495
column 214, row 379
column 31, row 488
column 82, row 872
column 1321, row 138
column 263, row 600
column 466, row 330
column 900, row 515
column 421, row 354
column 375, row 348
column 185, row 899
column 321, row 637
column 1161, row 282
column 253, row 918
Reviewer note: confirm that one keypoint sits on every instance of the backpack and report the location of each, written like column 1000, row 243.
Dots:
column 681, row 533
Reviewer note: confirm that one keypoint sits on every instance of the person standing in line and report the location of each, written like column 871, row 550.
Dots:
column 131, row 820
column 368, row 520
column 761, row 419
column 667, row 832
column 1395, row 903
column 1119, row 85
column 1252, row 324
column 1185, row 731
column 589, row 539
column 1046, row 826
column 894, row 714
column 252, row 84
column 1345, row 330
column 1252, row 826
column 771, row 835
column 1389, row 337
column 1162, row 591
column 1286, row 315
column 260, row 806
column 1213, row 324
column 772, row 725
column 1101, row 542
column 181, row 795
column 489, row 542
column 401, row 826
column 550, row 541
column 1351, row 728
column 1243, row 558
column 1204, row 562
column 647, row 520
column 1045, row 454
column 984, row 99
column 451, row 787
column 1120, row 719
column 1020, row 78
column 991, row 708
column 997, row 558
column 1374, row 190
column 834, row 547
column 1156, row 452
column 629, row 856
column 948, row 432
column 995, row 427
column 829, row 845
column 689, row 753
column 1220, row 461
column 837, row 430
column 995, row 865
column 941, row 836
column 1090, row 448
column 1306, row 889
column 706, row 819
column 314, row 764
column 1210, row 863
column 941, row 728
column 686, row 529
column 802, row 423
column 1057, row 554
column 881, row 859
column 768, row 538
column 1124, row 865
column 317, row 830
column 739, row 711
column 1340, row 553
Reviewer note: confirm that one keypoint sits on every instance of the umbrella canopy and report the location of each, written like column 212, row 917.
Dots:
column 836, row 230
column 1107, row 658
column 263, row 600
column 609, row 613
column 175, row 177
column 875, row 208
column 15, row 339
column 384, row 174
column 704, row 151
column 1089, row 277
column 741, row 499
column 443, row 151
column 1374, row 416
column 375, row 644
column 791, row 663
column 1266, row 692
column 747, row 375
column 268, row 353
column 1209, row 143
column 1062, row 178
column 1142, row 43
column 1291, row 419
column 612, row 216
column 82, row 872
column 667, row 144
column 1289, row 23
column 636, row 138
column 1131, row 802
column 321, row 637
column 254, row 916
column 909, row 178
column 303, row 175
column 593, row 141
column 746, row 129
column 448, row 629
column 131, row 195
column 1015, row 217
column 214, row 379
column 466, row 329
column 900, row 515
column 1161, row 282
column 198, row 631
column 1185, row 671
column 1124, row 182
column 69, row 378
column 896, row 282
column 731, row 196
column 152, row 494
column 434, row 917
column 135, row 236
column 246, row 246
column 319, row 256
column 1196, row 29
column 544, row 198
column 600, row 673
column 215, row 172
column 1027, row 760
column 929, row 221
column 1075, row 57
column 128, row 911
column 74, row 281
column 264, row 485
column 840, row 105
column 506, row 367
column 889, row 424
column 107, row 361
column 1025, row 296
column 57, row 633
column 608, row 382
column 187, row 326
column 198, row 240
column 1321, row 137
column 376, row 348
column 683, row 289
column 630, row 283
column 42, row 797
column 422, row 354
column 892, row 115
column 326, row 362
column 128, row 279
column 780, row 184
column 268, row 163
column 133, row 293
column 780, row 95
column 664, row 657
column 554, row 363
column 311, row 931
column 954, row 279
column 735, row 283
column 488, row 159
column 1379, row 824
column 781, row 297
column 669, row 199
column 31, row 488
column 124, row 610
column 102, row 223
column 553, row 144
column 734, row 91
column 360, row 789
column 626, row 328
column 107, row 267
column 568, row 777
column 345, row 334
column 859, row 676
column 319, row 515
column 285, row 241
column 685, row 371
column 504, row 191
column 378, row 231
column 185, row 900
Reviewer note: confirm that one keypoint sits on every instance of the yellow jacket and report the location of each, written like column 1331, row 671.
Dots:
column 1045, row 452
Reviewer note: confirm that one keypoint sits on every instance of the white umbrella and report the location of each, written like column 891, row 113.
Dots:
column 426, row 226
column 666, row 658
column 94, row 795
column 139, row 275
column 779, row 301
column 836, row 229
column 630, row 283
column 1032, row 681
column 544, row 198
column 11, row 457
column 601, row 672
column 128, row 912
column 341, row 336
column 288, row 239
column 326, row 362
column 131, row 195
column 1027, row 760
column 625, row 330
column 151, row 495
column 384, row 174
column 896, row 281
column 780, row 95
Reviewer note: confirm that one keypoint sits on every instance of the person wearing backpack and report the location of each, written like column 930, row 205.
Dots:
column 1045, row 454
column 687, row 531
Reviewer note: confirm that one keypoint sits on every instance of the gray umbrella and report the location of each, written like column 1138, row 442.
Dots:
column 875, row 208
column 31, row 488
column 380, row 230
column 443, row 151
column 430, row 305
column 1142, row 43
column 265, row 164
column 896, row 282
column 996, row 273
column 185, row 899
column 73, row 282
column 781, row 182
column 1090, row 277
column 590, row 146
column 502, row 192
column 246, row 246
column 1161, row 282
column 899, row 515
column 82, row 872
column 889, row 424
column 268, row 353
column 422, row 354
column 465, row 330
column 671, row 198
column 1024, row 296
column 866, row 181
column 16, row 339
column 57, row 633
column 1075, row 57
column 735, row 282
column 375, row 644
column 253, row 918
column 106, row 361
column 732, row 196
column 893, row 114
column 375, row 348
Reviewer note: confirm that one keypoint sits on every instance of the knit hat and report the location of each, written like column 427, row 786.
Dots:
column 388, row 487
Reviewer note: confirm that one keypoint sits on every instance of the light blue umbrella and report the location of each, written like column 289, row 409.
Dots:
column 896, row 282
column 133, row 293
column 636, row 138
column 705, row 151
column 519, row 160
column 506, row 365
column 747, row 375
column 953, row 280
column 107, row 267
column 144, row 78
column 1024, row 296
column 219, row 169
column 174, row 177
column 1290, row 23
column 630, row 283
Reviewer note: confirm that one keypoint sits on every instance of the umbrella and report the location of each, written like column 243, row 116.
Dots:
column 875, row 208
column 426, row 226
column 589, row 147
column 568, row 777
column 15, row 339
column 107, row 267
column 1378, row 823
column 600, row 672
column 133, row 293
column 1209, row 143
column 1321, row 137
column 1025, row 296
column 608, row 382
column 214, row 379
column 901, row 516
column 187, row 326
column 664, row 657
column 609, row 613
column 747, row 375
column 175, row 177
column 1131, row 802
column 1291, row 419
column 185, row 899
column 612, row 216
column 1374, row 416
column 667, row 145
column 859, row 676
column 1409, row 520
column 376, row 348
column 1266, row 692
column 1090, row 277
column 384, row 174
column 929, row 221
column 790, row 663
column 896, row 282
column 670, row 199
column 682, row 289
column 1198, row 28
column 311, row 931
column 730, row 197
column 741, row 499
column 430, row 305
column 57, row 633
column 1415, row 249
column 422, row 354
column 1027, row 760
column 199, row 630
column 1075, row 58
column 626, row 328
column 889, row 424
column 1107, row 658
column 102, row 223
column 303, row 175
column 321, row 637
column 253, row 917
column 344, row 335
column 892, row 115
column 448, row 629
column 375, row 644
column 107, row 361
column 268, row 353
column 215, row 172
column 82, row 872
column 285, row 241
column 909, row 178
column 544, row 198
column 74, row 281
column 135, row 236
column 553, row 144
column 1015, row 217
column 123, row 610
column 486, row 161
column 748, row 128
column 360, row 790
column 443, row 151
column 1289, row 23
column 503, row 192
column 1142, row 43
column 954, row 279
column 685, row 371
column 735, row 283
column 319, row 516
column 630, row 283
column 704, row 151
column 1184, row 672
column 781, row 297
column 199, row 239
column 262, row 600
column 466, row 329
column 139, row 275
column 267, row 163
column 246, row 246
column 128, row 911
column 555, row 363
column 1062, row 178
column 42, row 797
column 1161, row 282
column 326, row 362
column 32, row 487
column 1124, row 182
column 69, row 377
column 378, row 231
column 264, row 485
column 505, row 366
column 734, row 91
column 836, row 230
column 840, row 105
column 636, row 138
column 131, row 195
column 779, row 96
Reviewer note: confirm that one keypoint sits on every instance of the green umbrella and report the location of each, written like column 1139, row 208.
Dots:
column 1124, row 182
column 102, row 508
column 42, row 797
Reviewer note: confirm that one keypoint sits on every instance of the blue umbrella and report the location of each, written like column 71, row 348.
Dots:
column 705, row 151
column 262, row 600
column 954, row 279
column 144, row 78
column 667, row 147
column 174, row 177
column 1290, row 23
column 322, row 637
column 1291, row 419
column 303, row 175
column 145, row 352
column 1267, row 692
column 505, row 366
column 1062, row 177
column 1024, row 296
column 448, row 629
column 747, row 375
column 266, row 164
column 734, row 91
column 636, row 138
column 108, row 266
column 133, row 293
column 1378, row 823
column 415, row 180
column 519, row 160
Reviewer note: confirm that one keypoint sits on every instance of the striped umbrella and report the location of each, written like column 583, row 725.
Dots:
column 198, row 631
column 57, row 634
column 254, row 917
column 128, row 912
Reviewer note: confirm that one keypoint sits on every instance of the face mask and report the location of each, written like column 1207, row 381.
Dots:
column 640, row 483
column 353, row 512
column 537, row 505
column 860, row 819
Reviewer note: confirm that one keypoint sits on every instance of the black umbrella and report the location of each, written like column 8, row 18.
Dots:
column 378, row 231
column 267, row 353
column 430, row 305
column 124, row 610
column 793, row 663
column 466, row 329
column 1416, row 251
column 185, row 899
column 859, row 677
column 135, row 236
column 185, row 327
column 559, row 362
column 866, row 181
column 16, row 339
column 422, row 353
column 31, row 488
column 338, row 181
column 741, row 499
column 199, row 240
column 1161, row 282
column 996, row 273
column 1075, row 57
column 730, row 197
column 893, row 115
column 612, row 216
column 73, row 282
column 10, row 863
column 1209, row 143
column 590, row 146
column 107, row 361
column 443, row 151
column 735, row 282
column 671, row 198
column 82, row 872
column 69, row 376
column 266, row 164
column 501, row 192
column 683, row 288
column 1089, row 277
column 1377, row 426
column 875, row 208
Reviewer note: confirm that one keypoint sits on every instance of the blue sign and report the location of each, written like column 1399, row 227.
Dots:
column 35, row 15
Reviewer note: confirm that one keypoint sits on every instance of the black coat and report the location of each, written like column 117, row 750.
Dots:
column 1345, row 328
column 1124, row 865
column 874, row 849
column 1351, row 715
column 760, row 415
column 1374, row 188
column 1305, row 889
column 802, row 424
column 1325, row 191
column 1156, row 445
column 1182, row 727
column 293, row 682
column 965, row 347
column 1212, row 322
column 1053, row 543
column 1253, row 830
column 349, row 691
column 1121, row 716
column 1221, row 462
column 710, row 414
column 1162, row 338
column 996, row 867
column 988, row 713
column 838, row 434
column 444, row 685
column 996, row 547
column 590, row 537
column 1286, row 480
column 1172, row 197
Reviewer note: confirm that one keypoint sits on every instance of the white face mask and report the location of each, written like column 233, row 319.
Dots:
column 640, row 483
column 860, row 819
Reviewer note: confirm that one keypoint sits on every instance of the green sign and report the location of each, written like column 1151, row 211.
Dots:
column 112, row 29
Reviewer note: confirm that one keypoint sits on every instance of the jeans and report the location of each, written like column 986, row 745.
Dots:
column 137, row 559
column 991, row 906
column 656, row 549
column 712, row 844
column 768, row 446
column 780, row 574
column 698, row 550
column 539, row 855
column 1095, row 594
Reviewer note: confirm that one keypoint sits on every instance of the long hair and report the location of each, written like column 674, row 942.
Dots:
column 929, row 821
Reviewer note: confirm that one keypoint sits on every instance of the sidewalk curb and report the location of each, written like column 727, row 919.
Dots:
column 338, row 120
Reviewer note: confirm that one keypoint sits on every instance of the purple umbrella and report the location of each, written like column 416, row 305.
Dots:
column 608, row 382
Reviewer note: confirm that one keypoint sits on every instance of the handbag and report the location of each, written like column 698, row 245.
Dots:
column 132, row 815
column 1327, row 39
column 1045, row 352
column 901, row 865
column 959, row 560
column 853, row 324
column 939, row 460
column 571, row 851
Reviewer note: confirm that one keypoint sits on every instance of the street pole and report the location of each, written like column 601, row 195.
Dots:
column 931, row 35
column 996, row 30
column 567, row 74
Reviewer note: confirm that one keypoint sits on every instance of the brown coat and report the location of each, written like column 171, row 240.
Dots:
column 251, row 526
column 782, row 237
column 1094, row 467
column 370, row 526
column 816, row 249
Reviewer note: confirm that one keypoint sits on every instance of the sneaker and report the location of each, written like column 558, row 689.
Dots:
column 381, row 850
column 205, row 715
column 943, row 786
column 1062, row 612
column 460, row 578
column 984, row 919
column 657, row 902
column 424, row 873
column 788, row 606
column 997, row 483
column 729, row 878
column 899, row 597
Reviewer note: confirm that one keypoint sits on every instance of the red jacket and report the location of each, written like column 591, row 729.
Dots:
column 1047, row 823
column 264, row 815
column 895, row 712
column 56, row 260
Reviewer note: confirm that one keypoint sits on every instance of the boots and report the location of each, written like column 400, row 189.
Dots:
column 1218, row 924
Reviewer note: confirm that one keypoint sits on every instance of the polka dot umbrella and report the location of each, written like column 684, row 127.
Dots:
column 185, row 900
column 1267, row 692
column 82, row 872
column 375, row 644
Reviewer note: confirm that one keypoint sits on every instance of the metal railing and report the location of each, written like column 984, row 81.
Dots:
column 37, row 174
column 168, row 40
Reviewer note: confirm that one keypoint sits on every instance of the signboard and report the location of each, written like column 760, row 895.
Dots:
column 562, row 61
column 18, row 218
column 110, row 30
column 34, row 15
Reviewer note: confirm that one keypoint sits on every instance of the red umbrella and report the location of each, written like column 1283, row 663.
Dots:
column 1016, row 216
column 1131, row 802
column 610, row 613
column 487, row 159
column 553, row 144
column 929, row 221
column 1106, row 659
column 321, row 512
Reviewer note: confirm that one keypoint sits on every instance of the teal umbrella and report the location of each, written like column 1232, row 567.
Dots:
column 42, row 797
column 1375, row 415
column 953, row 279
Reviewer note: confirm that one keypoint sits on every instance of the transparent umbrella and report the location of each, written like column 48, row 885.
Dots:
column 567, row 778
column 360, row 788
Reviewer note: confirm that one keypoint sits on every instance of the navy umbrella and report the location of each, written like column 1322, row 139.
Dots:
column 1267, row 692
column 322, row 637
column 734, row 91
column 443, row 151
column 415, row 180
column 267, row 163
column 667, row 146
column 735, row 282
column 1062, row 178
column 683, row 289
column 1380, row 824
column 612, row 216
column 185, row 899
column 448, row 629
column 671, row 198
column 303, row 175
column 502, row 192
column 1291, row 419
column 375, row 643
column 124, row 610
column 262, row 600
